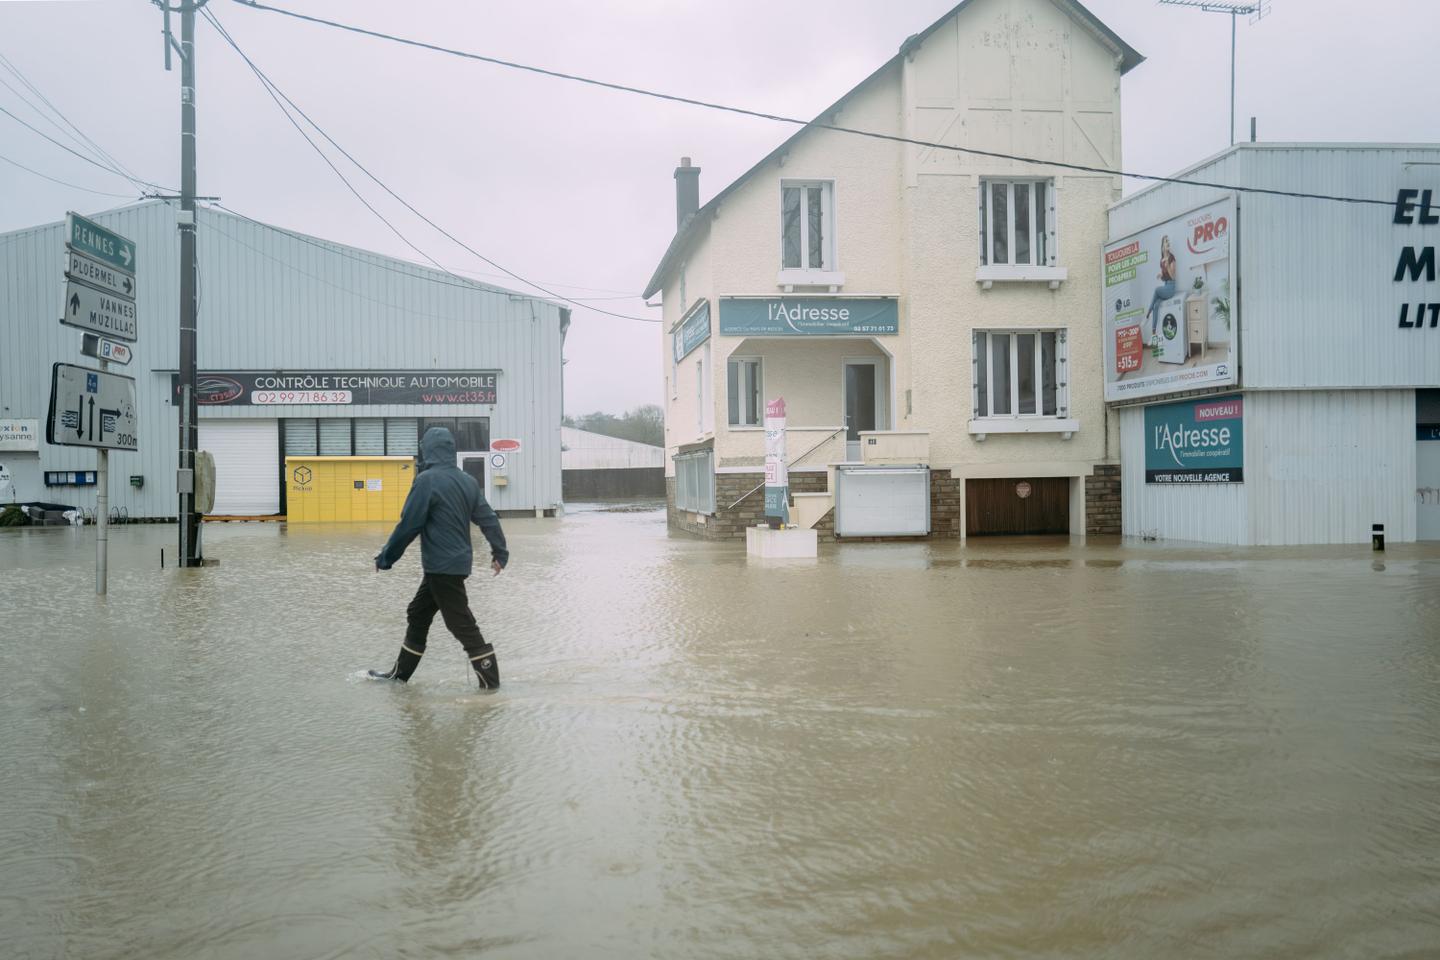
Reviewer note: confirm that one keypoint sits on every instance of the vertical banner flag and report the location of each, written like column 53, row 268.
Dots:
column 777, row 473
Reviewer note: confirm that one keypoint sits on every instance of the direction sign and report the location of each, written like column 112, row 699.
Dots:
column 102, row 349
column 90, row 238
column 90, row 408
column 97, row 274
column 99, row 312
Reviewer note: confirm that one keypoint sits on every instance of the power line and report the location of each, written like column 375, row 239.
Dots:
column 779, row 118
column 274, row 90
column 42, row 133
column 64, row 183
column 348, row 290
column 84, row 140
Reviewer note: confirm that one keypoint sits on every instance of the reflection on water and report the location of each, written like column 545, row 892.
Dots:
column 1012, row 748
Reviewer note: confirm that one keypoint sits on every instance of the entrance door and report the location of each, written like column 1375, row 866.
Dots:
column 1427, row 483
column 861, row 404
column 1017, row 506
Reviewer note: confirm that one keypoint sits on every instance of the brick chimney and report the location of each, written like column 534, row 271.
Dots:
column 687, row 191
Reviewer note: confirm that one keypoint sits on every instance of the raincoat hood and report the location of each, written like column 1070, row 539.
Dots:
column 437, row 448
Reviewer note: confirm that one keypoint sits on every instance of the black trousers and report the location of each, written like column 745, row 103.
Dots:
column 442, row 593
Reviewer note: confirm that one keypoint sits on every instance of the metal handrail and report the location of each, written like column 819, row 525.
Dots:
column 802, row 456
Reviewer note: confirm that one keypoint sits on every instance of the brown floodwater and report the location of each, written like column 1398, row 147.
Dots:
column 1014, row 748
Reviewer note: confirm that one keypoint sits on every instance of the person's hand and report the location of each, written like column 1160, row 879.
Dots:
column 495, row 565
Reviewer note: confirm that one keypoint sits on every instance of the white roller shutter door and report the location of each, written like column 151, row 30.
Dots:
column 247, row 466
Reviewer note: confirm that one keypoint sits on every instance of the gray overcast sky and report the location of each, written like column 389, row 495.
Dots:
column 572, row 185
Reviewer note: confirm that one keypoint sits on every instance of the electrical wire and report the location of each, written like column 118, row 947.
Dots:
column 275, row 90
column 65, row 183
column 794, row 121
column 83, row 140
column 209, row 225
column 42, row 133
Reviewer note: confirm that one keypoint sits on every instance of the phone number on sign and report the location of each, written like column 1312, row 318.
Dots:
column 300, row 396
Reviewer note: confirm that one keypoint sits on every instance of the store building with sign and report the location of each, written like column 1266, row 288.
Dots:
column 1274, row 361
column 919, row 309
column 314, row 356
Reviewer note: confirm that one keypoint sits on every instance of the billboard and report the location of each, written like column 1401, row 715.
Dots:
column 1169, row 322
column 1196, row 441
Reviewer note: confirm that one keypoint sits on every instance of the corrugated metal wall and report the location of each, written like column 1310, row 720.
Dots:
column 1328, row 464
column 1203, row 512
column 1320, row 467
column 271, row 300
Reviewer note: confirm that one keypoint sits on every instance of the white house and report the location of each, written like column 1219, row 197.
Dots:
column 923, row 311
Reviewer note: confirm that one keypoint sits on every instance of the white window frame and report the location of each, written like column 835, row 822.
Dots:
column 741, row 424
column 700, row 395
column 828, row 273
column 1016, row 422
column 675, row 364
column 1042, row 222
column 695, row 482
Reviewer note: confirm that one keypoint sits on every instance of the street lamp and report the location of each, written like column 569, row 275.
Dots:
column 1256, row 10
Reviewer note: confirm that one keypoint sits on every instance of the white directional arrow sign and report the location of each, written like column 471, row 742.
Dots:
column 99, row 312
column 97, row 274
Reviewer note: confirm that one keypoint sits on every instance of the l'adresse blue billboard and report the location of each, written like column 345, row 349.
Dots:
column 808, row 316
column 1196, row 441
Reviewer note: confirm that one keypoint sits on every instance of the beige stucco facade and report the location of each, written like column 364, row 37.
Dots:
column 1020, row 77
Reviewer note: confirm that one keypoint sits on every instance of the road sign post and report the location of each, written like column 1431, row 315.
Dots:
column 99, row 298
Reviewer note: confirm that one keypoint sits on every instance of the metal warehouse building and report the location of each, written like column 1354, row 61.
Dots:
column 1275, row 359
column 307, row 349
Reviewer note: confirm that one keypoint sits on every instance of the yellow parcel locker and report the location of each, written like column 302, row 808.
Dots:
column 347, row 489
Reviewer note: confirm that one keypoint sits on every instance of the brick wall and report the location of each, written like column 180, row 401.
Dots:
column 730, row 523
column 1102, row 501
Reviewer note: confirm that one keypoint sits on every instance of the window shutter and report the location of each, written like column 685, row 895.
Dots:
column 370, row 437
column 1052, row 223
column 300, row 437
column 335, row 437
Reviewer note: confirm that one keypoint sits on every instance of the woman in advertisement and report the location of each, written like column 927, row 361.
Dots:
column 1166, row 290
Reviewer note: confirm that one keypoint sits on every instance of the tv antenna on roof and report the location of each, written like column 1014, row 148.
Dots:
column 1256, row 10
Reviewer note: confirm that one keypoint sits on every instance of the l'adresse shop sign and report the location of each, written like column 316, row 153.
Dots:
column 419, row 387
column 1170, row 325
column 694, row 331
column 808, row 317
column 1196, row 441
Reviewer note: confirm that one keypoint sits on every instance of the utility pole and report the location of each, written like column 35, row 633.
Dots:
column 187, row 401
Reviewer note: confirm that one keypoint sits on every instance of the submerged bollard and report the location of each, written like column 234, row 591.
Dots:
column 1377, row 536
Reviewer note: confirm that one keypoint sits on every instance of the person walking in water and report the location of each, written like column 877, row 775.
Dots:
column 443, row 502
column 1166, row 290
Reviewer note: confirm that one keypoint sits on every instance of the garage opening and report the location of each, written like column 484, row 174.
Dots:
column 247, row 466
column 1017, row 505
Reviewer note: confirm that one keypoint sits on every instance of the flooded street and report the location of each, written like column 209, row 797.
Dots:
column 1012, row 748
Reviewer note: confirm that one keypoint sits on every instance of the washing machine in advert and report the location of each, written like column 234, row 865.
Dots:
column 1170, row 332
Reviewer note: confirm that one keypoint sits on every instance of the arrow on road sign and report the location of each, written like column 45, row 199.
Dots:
column 74, row 304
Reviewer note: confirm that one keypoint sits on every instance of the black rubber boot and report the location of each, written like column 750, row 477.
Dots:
column 487, row 669
column 405, row 665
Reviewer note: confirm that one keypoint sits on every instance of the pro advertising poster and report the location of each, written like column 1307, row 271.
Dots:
column 1170, row 325
column 1196, row 441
